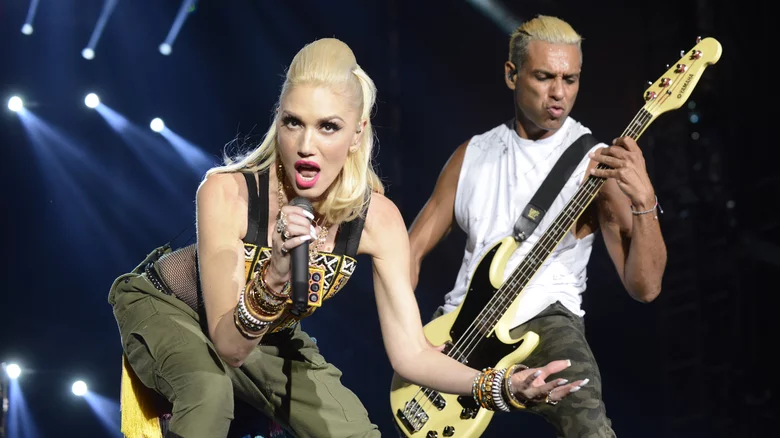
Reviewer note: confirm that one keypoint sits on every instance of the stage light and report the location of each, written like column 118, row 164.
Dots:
column 92, row 100
column 15, row 104
column 27, row 29
column 157, row 124
column 13, row 370
column 79, row 388
column 165, row 49
column 88, row 53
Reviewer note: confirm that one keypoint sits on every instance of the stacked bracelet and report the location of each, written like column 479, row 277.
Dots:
column 258, row 306
column 492, row 389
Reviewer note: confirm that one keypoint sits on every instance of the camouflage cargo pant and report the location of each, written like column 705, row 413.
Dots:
column 562, row 336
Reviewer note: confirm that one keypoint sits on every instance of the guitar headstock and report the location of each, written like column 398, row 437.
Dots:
column 672, row 89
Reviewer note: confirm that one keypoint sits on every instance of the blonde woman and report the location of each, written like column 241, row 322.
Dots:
column 212, row 321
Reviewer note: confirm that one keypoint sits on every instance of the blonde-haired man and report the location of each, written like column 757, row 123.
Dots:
column 490, row 179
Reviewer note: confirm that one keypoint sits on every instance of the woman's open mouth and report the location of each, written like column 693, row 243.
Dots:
column 306, row 173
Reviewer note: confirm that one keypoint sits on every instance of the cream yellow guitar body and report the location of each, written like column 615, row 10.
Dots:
column 423, row 412
column 477, row 333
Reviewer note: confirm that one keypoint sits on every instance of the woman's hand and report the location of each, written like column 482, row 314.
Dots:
column 292, row 229
column 529, row 385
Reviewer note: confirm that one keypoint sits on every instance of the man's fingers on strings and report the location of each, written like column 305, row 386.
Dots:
column 626, row 143
column 614, row 151
column 604, row 173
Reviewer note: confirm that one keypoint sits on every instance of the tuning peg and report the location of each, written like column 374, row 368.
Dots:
column 698, row 39
column 667, row 66
column 682, row 53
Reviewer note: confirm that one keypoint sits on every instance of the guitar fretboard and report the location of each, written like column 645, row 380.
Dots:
column 539, row 253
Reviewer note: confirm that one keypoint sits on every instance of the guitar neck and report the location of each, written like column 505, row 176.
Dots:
column 542, row 249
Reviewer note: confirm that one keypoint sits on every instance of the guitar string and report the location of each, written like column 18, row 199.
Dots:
column 473, row 336
column 503, row 295
column 634, row 128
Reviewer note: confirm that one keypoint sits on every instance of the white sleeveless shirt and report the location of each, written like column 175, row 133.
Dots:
column 500, row 173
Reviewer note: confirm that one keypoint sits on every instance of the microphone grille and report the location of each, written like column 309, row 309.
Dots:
column 304, row 203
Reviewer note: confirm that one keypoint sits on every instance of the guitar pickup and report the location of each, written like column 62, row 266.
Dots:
column 436, row 399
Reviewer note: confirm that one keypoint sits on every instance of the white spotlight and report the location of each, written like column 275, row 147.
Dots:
column 15, row 104
column 165, row 49
column 92, row 100
column 27, row 29
column 157, row 124
column 79, row 388
column 13, row 370
column 88, row 53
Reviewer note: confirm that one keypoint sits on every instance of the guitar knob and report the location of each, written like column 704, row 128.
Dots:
column 449, row 431
column 432, row 434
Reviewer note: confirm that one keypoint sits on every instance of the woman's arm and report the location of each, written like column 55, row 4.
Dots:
column 411, row 356
column 221, row 208
column 222, row 204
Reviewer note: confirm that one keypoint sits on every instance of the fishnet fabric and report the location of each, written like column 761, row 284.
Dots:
column 179, row 273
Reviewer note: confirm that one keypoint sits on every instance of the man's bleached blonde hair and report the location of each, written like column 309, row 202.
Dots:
column 545, row 28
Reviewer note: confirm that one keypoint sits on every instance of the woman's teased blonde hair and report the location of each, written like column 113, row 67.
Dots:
column 331, row 63
column 552, row 30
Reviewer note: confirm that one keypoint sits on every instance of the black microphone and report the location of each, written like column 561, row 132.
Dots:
column 299, row 260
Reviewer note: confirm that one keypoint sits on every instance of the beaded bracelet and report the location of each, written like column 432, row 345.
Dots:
column 657, row 205
column 487, row 389
column 256, row 310
column 263, row 303
column 247, row 325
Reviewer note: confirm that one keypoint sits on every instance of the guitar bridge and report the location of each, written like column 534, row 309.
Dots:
column 413, row 417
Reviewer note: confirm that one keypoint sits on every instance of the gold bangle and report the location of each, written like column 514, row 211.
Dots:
column 261, row 302
column 510, row 396
column 245, row 332
column 283, row 294
column 255, row 305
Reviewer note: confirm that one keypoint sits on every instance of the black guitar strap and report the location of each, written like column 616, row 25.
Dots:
column 536, row 209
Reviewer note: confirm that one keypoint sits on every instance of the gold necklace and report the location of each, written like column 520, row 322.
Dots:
column 322, row 234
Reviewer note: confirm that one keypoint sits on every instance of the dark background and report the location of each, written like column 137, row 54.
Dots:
column 82, row 205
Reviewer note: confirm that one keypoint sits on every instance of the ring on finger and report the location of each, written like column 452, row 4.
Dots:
column 549, row 399
column 281, row 225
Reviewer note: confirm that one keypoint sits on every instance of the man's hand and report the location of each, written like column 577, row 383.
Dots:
column 628, row 169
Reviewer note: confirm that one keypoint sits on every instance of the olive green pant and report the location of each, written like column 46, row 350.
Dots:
column 285, row 376
column 581, row 414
